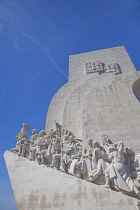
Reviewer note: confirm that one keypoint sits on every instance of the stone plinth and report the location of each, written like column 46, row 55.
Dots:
column 37, row 187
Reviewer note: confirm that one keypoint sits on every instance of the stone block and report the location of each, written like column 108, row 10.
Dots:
column 37, row 187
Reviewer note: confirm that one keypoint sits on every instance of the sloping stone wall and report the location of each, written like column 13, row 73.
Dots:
column 37, row 187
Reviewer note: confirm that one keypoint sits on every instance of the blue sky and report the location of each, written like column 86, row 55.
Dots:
column 36, row 38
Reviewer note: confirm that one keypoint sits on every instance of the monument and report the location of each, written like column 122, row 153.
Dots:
column 88, row 156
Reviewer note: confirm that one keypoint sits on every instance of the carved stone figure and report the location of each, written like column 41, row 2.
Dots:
column 16, row 150
column 77, row 165
column 33, row 137
column 38, row 146
column 32, row 149
column 117, row 172
column 84, row 165
column 56, row 153
column 38, row 153
column 106, row 140
column 43, row 148
column 25, row 130
column 25, row 149
column 39, row 139
column 100, row 162
column 72, row 148
column 22, row 147
column 109, row 165
column 130, row 161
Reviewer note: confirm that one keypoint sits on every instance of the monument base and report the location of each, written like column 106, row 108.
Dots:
column 37, row 187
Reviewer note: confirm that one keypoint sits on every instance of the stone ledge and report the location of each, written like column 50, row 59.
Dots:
column 37, row 187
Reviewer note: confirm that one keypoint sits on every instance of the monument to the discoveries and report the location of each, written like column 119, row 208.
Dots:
column 91, row 138
column 100, row 98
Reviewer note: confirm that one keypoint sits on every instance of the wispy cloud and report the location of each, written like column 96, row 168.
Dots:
column 16, row 47
column 46, row 50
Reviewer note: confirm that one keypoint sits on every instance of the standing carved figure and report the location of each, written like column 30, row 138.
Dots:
column 118, row 173
column 130, row 161
column 56, row 153
column 38, row 144
column 43, row 147
column 84, row 165
column 32, row 149
column 72, row 148
column 38, row 153
column 25, row 130
column 100, row 162
column 22, row 147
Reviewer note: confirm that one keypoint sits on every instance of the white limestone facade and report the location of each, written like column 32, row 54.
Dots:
column 102, row 96
column 37, row 187
column 94, row 103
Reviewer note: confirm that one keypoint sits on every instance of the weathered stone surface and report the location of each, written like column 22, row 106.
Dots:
column 111, row 55
column 92, row 104
column 101, row 97
column 38, row 187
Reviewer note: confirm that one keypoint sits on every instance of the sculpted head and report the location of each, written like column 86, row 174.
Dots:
column 71, row 138
column 34, row 131
column 96, row 144
column 104, row 139
column 42, row 133
column 90, row 142
column 52, row 133
column 129, row 151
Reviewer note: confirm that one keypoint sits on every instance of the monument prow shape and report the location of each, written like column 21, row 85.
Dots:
column 102, row 96
column 37, row 187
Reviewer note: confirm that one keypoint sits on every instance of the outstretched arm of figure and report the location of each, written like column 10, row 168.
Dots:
column 119, row 145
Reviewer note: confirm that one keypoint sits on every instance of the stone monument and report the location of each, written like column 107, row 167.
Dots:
column 101, row 96
column 87, row 157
